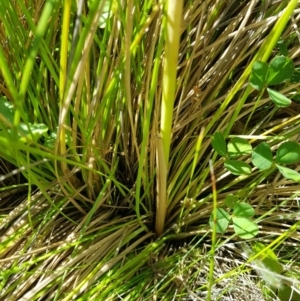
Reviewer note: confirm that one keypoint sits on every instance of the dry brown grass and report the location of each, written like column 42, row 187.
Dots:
column 77, row 235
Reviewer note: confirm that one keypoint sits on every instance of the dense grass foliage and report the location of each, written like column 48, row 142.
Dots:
column 149, row 151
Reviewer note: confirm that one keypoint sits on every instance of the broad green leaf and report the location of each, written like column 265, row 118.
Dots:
column 230, row 201
column 262, row 156
column 51, row 140
column 279, row 99
column 33, row 132
column 268, row 257
column 243, row 210
column 258, row 75
column 269, row 265
column 219, row 144
column 7, row 110
column 286, row 293
column 289, row 174
column 296, row 76
column 222, row 221
column 288, row 153
column 281, row 69
column 244, row 227
column 238, row 147
column 237, row 167
column 296, row 97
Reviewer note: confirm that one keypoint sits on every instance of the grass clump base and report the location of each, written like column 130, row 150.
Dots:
column 118, row 165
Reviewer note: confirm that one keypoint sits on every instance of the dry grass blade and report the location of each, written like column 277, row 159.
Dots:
column 80, row 164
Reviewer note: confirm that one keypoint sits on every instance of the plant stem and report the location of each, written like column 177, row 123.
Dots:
column 173, row 27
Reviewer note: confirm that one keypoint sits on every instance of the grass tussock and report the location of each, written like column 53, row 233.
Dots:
column 108, row 175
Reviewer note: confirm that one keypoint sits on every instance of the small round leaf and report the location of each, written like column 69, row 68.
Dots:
column 288, row 173
column 281, row 69
column 237, row 167
column 243, row 210
column 244, row 227
column 230, row 201
column 219, row 144
column 288, row 153
column 222, row 221
column 278, row 99
column 262, row 156
column 258, row 76
column 238, row 147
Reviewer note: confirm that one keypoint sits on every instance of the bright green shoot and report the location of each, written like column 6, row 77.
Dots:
column 173, row 26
